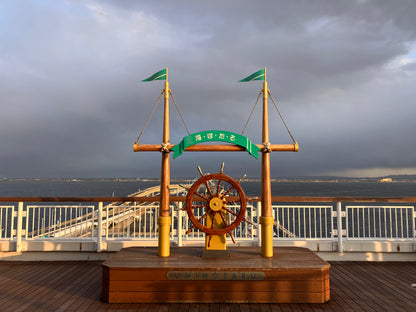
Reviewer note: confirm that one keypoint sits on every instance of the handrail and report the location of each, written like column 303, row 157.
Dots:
column 320, row 223
column 183, row 198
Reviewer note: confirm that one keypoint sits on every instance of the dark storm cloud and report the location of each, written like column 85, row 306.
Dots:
column 72, row 103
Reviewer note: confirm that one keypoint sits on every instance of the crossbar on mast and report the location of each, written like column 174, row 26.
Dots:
column 215, row 147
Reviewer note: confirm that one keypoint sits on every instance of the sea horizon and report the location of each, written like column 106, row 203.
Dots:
column 386, row 179
column 104, row 187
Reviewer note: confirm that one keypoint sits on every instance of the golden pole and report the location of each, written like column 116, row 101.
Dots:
column 164, row 219
column 266, row 219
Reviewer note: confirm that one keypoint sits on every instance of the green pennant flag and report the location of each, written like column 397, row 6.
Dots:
column 160, row 75
column 258, row 75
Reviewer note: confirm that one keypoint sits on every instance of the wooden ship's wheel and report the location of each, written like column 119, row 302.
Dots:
column 216, row 205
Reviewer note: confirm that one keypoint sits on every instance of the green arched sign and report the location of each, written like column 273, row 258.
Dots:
column 216, row 135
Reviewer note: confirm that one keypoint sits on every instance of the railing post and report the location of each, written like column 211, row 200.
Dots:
column 100, row 226
column 92, row 224
column 128, row 220
column 19, row 227
column 414, row 229
column 106, row 225
column 339, row 228
column 258, row 223
column 179, row 229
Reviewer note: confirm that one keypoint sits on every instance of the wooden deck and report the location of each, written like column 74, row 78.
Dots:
column 76, row 286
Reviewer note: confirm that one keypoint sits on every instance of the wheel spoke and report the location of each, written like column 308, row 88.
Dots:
column 232, row 202
column 228, row 192
column 249, row 222
column 218, row 186
column 236, row 214
column 230, row 211
column 232, row 237
column 204, row 216
column 225, row 222
column 198, row 206
column 209, row 189
column 223, row 219
column 213, row 220
column 190, row 229
column 199, row 220
column 186, row 188
column 202, row 196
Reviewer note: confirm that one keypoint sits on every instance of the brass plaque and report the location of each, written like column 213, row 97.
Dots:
column 215, row 276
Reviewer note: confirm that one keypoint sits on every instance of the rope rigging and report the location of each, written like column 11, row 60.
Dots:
column 249, row 117
column 281, row 116
column 147, row 121
column 151, row 114
column 179, row 112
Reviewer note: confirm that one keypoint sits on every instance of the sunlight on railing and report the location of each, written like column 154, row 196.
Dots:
column 380, row 222
column 137, row 222
column 303, row 222
column 6, row 221
column 58, row 222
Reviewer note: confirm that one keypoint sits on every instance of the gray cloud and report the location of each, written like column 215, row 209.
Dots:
column 72, row 103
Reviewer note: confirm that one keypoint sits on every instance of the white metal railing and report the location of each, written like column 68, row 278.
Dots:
column 338, row 226
column 130, row 222
column 58, row 222
column 303, row 222
column 380, row 222
column 7, row 216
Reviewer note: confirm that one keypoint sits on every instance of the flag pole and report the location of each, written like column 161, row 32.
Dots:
column 164, row 219
column 266, row 219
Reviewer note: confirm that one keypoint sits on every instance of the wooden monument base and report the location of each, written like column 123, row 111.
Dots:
column 138, row 274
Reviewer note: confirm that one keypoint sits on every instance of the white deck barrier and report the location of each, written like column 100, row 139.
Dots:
column 380, row 223
column 7, row 217
column 96, row 227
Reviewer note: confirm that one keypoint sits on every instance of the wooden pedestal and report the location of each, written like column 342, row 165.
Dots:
column 138, row 274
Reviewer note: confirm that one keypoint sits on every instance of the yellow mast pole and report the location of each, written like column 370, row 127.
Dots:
column 266, row 219
column 164, row 219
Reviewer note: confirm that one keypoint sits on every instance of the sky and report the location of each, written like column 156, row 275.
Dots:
column 343, row 74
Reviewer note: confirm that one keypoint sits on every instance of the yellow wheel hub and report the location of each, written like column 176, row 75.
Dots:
column 216, row 204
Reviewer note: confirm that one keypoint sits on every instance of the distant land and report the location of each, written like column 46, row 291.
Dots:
column 389, row 178
column 386, row 179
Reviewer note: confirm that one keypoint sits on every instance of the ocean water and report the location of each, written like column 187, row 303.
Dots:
column 89, row 188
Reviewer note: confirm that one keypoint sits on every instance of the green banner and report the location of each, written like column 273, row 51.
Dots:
column 216, row 135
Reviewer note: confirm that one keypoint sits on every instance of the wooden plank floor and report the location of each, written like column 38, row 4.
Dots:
column 76, row 286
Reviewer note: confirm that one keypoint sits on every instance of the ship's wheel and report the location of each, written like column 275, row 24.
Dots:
column 215, row 195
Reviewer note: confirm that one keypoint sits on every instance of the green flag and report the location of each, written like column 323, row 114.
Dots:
column 258, row 75
column 160, row 75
